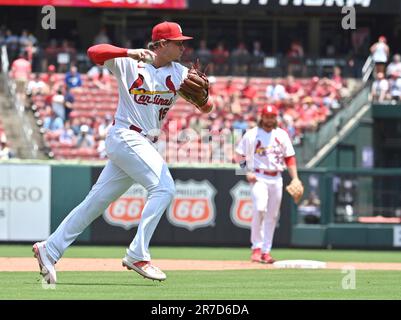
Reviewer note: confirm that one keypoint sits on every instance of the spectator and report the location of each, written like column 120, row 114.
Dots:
column 239, row 123
column 50, row 78
column 307, row 115
column 32, row 39
column 57, row 103
column 30, row 51
column 76, row 126
column 73, row 80
column 85, row 138
column 102, row 37
column 234, row 103
column 51, row 53
column 66, row 56
column 12, row 43
column 328, row 93
column 52, row 122
column 380, row 88
column 339, row 83
column 36, row 87
column 220, row 56
column 67, row 137
column 288, row 125
column 104, row 127
column 204, row 55
column 275, row 92
column 380, row 52
column 257, row 59
column 293, row 89
column 394, row 66
column 336, row 78
column 68, row 103
column 395, row 87
column 249, row 92
column 240, row 59
column 295, row 57
column 23, row 39
column 100, row 77
column 20, row 72
column 5, row 151
column 230, row 88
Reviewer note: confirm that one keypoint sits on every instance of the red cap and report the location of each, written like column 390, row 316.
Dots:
column 270, row 110
column 51, row 68
column 168, row 31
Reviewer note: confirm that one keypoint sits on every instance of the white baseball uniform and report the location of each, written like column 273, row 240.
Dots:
column 266, row 151
column 145, row 95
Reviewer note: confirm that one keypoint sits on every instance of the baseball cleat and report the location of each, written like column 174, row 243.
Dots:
column 267, row 258
column 144, row 268
column 256, row 255
column 46, row 266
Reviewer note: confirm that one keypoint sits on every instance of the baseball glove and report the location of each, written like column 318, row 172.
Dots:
column 195, row 88
column 295, row 189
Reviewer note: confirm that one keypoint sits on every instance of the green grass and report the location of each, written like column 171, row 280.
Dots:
column 207, row 285
column 204, row 285
column 214, row 253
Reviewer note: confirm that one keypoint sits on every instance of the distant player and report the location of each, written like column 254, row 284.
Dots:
column 149, row 82
column 266, row 150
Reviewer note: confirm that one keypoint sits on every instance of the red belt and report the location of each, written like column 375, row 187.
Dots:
column 268, row 173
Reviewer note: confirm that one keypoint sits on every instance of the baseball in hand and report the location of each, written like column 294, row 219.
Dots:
column 148, row 58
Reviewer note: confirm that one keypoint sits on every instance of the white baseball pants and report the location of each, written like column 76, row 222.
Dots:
column 266, row 198
column 131, row 158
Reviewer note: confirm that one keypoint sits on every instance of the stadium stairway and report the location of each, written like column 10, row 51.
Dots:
column 316, row 145
column 20, row 126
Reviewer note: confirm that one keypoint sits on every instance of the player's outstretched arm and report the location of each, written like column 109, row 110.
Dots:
column 103, row 52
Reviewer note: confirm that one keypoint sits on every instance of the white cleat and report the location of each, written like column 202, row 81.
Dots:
column 46, row 266
column 144, row 268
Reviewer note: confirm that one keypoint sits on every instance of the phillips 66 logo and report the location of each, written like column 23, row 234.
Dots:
column 241, row 209
column 193, row 205
column 127, row 210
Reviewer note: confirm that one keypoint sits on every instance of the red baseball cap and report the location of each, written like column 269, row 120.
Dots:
column 270, row 110
column 168, row 31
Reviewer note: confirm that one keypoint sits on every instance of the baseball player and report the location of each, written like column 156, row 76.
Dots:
column 265, row 151
column 149, row 81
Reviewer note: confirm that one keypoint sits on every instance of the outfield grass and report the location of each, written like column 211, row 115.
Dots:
column 203, row 253
column 204, row 285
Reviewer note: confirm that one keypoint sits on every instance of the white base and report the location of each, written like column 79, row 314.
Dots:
column 300, row 264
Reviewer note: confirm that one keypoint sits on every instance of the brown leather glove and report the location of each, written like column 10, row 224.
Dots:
column 295, row 189
column 195, row 88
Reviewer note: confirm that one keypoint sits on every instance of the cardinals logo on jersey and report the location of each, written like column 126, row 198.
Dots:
column 145, row 97
column 259, row 149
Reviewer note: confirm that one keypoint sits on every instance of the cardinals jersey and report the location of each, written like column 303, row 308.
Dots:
column 266, row 150
column 146, row 93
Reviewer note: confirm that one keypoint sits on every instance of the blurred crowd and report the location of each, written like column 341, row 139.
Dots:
column 75, row 107
column 386, row 87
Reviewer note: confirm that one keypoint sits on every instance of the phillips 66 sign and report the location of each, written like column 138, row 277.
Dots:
column 241, row 208
column 193, row 205
column 126, row 211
